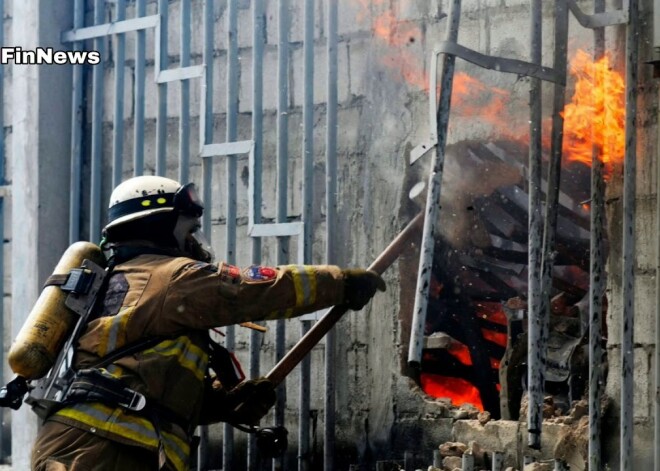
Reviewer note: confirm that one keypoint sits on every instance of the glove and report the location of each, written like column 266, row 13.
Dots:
column 251, row 400
column 360, row 286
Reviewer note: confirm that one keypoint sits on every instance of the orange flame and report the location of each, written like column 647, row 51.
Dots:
column 596, row 113
column 458, row 390
column 461, row 352
column 399, row 35
column 499, row 338
column 492, row 311
column 594, row 117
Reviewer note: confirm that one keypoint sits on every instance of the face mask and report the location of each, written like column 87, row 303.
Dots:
column 198, row 247
column 187, row 201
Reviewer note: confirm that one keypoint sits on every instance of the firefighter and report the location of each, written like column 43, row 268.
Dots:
column 137, row 409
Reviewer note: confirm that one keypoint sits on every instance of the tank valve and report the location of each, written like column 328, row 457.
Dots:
column 12, row 394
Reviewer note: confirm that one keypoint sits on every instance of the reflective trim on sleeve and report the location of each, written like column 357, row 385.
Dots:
column 311, row 275
column 114, row 332
column 304, row 281
column 188, row 354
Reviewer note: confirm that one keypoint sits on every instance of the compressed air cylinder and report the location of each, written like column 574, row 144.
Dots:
column 50, row 322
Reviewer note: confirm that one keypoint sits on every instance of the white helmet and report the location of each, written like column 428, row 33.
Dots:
column 143, row 196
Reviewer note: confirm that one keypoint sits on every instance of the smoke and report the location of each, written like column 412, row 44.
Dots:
column 465, row 181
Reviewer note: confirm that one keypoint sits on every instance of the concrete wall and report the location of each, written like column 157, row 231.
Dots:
column 383, row 113
column 7, row 104
column 645, row 264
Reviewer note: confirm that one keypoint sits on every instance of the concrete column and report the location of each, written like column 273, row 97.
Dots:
column 41, row 117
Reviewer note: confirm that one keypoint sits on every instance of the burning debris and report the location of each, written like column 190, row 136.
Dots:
column 475, row 351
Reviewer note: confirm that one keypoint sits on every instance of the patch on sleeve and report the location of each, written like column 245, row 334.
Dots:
column 257, row 273
column 230, row 273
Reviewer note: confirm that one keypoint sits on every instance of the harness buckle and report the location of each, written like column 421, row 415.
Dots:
column 136, row 403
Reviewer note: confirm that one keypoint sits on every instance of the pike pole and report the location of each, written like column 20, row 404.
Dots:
column 323, row 326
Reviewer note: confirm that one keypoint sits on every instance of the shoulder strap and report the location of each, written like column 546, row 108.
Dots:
column 129, row 349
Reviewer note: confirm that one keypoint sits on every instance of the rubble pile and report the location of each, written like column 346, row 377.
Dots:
column 565, row 438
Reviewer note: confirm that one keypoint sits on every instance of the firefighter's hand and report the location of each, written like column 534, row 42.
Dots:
column 253, row 400
column 360, row 287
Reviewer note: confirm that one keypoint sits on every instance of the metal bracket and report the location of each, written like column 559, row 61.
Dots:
column 82, row 302
column 599, row 20
column 131, row 25
column 116, row 27
column 500, row 64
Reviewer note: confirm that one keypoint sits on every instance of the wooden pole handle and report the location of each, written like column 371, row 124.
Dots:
column 323, row 325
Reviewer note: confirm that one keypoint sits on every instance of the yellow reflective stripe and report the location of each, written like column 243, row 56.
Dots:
column 103, row 340
column 188, row 354
column 114, row 370
column 311, row 279
column 118, row 331
column 114, row 331
column 304, row 281
column 298, row 284
column 176, row 450
column 137, row 429
column 113, row 420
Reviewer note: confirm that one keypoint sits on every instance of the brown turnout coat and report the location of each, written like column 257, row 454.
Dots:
column 180, row 298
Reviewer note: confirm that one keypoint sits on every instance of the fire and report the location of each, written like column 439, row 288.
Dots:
column 496, row 337
column 472, row 98
column 461, row 352
column 398, row 35
column 458, row 390
column 594, row 117
column 492, row 311
column 596, row 113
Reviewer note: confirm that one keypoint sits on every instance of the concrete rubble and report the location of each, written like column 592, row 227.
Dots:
column 565, row 438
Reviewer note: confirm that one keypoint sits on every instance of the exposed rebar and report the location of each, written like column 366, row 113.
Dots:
column 258, row 42
column 467, row 462
column 118, row 119
column 231, row 178
column 97, row 130
column 535, row 313
column 331, row 221
column 433, row 197
column 498, row 461
column 162, row 63
column 282, row 191
column 76, row 130
column 628, row 265
column 139, row 104
column 184, row 104
column 596, row 275
column 537, row 387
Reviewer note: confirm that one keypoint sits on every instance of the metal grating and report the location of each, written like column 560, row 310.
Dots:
column 542, row 242
column 110, row 23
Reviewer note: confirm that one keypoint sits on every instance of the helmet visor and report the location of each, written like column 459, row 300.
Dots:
column 199, row 247
column 187, row 201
